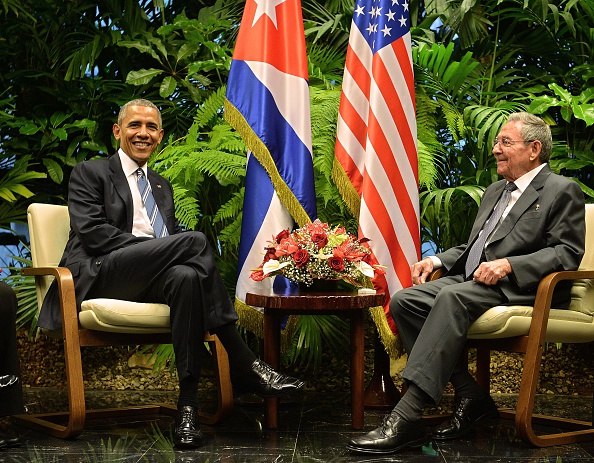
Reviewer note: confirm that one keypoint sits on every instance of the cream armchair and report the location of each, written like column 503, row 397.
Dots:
column 101, row 322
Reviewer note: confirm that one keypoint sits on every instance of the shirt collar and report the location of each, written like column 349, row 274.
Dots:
column 129, row 166
column 525, row 180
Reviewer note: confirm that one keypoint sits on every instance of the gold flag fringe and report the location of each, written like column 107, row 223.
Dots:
column 260, row 150
column 346, row 188
column 392, row 343
column 253, row 320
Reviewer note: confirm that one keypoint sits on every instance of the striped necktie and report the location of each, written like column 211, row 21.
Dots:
column 476, row 251
column 151, row 206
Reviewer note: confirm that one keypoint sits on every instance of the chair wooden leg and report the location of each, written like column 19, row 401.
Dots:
column 223, row 380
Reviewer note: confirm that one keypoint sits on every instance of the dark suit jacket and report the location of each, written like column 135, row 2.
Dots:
column 101, row 214
column 544, row 232
column 11, row 397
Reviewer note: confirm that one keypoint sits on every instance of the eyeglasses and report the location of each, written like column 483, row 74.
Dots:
column 507, row 142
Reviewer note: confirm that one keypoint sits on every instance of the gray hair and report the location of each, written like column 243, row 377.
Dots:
column 138, row 102
column 534, row 128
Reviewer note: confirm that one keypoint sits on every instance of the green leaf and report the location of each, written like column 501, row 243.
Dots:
column 142, row 77
column 167, row 87
column 54, row 170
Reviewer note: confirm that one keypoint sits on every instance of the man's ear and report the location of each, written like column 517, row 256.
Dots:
column 116, row 131
column 536, row 149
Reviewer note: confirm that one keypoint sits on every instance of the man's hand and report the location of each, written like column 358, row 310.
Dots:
column 421, row 270
column 489, row 273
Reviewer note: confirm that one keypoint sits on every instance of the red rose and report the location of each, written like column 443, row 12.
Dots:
column 301, row 257
column 282, row 235
column 336, row 263
column 320, row 239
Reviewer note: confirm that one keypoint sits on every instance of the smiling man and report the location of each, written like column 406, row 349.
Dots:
column 529, row 224
column 125, row 243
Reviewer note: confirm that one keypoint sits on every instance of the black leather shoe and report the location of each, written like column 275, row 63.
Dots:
column 8, row 380
column 7, row 441
column 393, row 435
column 187, row 432
column 262, row 380
column 467, row 413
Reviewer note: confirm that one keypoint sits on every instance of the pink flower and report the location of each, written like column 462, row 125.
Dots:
column 286, row 247
column 257, row 275
column 349, row 251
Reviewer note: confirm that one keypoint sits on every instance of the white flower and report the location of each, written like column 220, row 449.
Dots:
column 364, row 268
column 273, row 265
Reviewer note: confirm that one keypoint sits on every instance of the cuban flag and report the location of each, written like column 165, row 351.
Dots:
column 376, row 166
column 268, row 104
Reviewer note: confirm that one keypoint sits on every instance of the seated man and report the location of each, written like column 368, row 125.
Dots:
column 529, row 224
column 125, row 243
column 11, row 390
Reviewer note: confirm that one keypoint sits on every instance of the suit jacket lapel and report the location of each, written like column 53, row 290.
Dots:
column 526, row 200
column 121, row 185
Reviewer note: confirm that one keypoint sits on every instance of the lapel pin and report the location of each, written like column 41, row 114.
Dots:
column 536, row 208
column 158, row 186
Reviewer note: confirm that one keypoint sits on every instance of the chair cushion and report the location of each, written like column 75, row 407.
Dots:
column 119, row 313
column 508, row 321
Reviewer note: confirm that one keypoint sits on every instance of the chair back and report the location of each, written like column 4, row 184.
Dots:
column 582, row 291
column 49, row 226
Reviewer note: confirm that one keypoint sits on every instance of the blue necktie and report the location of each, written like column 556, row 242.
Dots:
column 151, row 206
column 476, row 251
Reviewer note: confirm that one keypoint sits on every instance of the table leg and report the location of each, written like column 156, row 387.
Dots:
column 272, row 358
column 357, row 369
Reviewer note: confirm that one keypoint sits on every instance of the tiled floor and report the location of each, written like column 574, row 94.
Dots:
column 314, row 428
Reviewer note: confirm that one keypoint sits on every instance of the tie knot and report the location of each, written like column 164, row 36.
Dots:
column 139, row 173
column 511, row 186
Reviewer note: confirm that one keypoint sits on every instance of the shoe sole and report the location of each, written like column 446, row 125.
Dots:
column 280, row 394
column 417, row 444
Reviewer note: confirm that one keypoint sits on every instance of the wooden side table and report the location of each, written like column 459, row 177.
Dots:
column 348, row 304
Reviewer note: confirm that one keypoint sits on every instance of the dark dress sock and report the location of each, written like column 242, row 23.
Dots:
column 188, row 392
column 240, row 355
column 410, row 407
column 466, row 386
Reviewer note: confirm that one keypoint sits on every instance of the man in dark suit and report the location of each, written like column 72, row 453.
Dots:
column 11, row 390
column 539, row 229
column 113, row 252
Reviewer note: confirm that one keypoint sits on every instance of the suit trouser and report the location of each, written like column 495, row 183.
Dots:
column 433, row 321
column 180, row 271
column 11, row 397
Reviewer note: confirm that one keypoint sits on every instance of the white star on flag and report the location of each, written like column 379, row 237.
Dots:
column 268, row 8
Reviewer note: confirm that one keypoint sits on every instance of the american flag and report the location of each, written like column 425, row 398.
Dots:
column 376, row 166
column 268, row 104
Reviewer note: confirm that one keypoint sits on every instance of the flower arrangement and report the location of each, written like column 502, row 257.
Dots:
column 317, row 251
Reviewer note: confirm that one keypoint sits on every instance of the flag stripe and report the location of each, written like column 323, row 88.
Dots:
column 377, row 133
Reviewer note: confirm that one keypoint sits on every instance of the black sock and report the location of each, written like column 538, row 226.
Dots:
column 240, row 355
column 410, row 407
column 466, row 386
column 188, row 392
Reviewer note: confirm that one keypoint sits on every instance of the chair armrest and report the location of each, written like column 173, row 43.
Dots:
column 435, row 274
column 66, row 292
column 544, row 297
